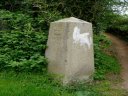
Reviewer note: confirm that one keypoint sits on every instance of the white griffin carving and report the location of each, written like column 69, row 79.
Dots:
column 83, row 39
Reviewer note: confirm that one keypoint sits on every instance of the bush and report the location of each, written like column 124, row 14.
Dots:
column 23, row 40
column 119, row 27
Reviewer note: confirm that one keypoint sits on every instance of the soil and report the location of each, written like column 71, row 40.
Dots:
column 121, row 49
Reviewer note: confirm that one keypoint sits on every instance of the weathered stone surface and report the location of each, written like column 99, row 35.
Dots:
column 70, row 49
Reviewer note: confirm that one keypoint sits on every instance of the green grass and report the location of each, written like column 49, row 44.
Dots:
column 107, row 88
column 25, row 84
column 37, row 84
column 32, row 84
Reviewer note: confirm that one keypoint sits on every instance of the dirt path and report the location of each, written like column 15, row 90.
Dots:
column 121, row 48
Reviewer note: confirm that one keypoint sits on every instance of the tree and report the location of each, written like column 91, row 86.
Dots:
column 99, row 12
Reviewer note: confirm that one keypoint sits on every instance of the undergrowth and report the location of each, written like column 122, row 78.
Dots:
column 23, row 40
column 104, row 63
column 119, row 27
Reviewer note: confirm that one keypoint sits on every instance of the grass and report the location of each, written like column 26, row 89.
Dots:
column 106, row 88
column 34, row 84
column 25, row 84
column 31, row 84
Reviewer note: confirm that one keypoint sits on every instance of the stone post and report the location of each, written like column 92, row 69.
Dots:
column 70, row 50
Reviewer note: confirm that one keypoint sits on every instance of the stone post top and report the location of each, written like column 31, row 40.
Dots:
column 71, row 19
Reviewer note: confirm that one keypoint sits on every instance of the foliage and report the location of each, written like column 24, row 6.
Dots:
column 23, row 40
column 104, row 63
column 20, row 46
column 95, row 11
column 119, row 26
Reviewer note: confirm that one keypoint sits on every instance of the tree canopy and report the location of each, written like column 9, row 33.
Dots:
column 96, row 11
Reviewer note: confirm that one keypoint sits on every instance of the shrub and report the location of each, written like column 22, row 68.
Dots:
column 23, row 40
column 119, row 27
